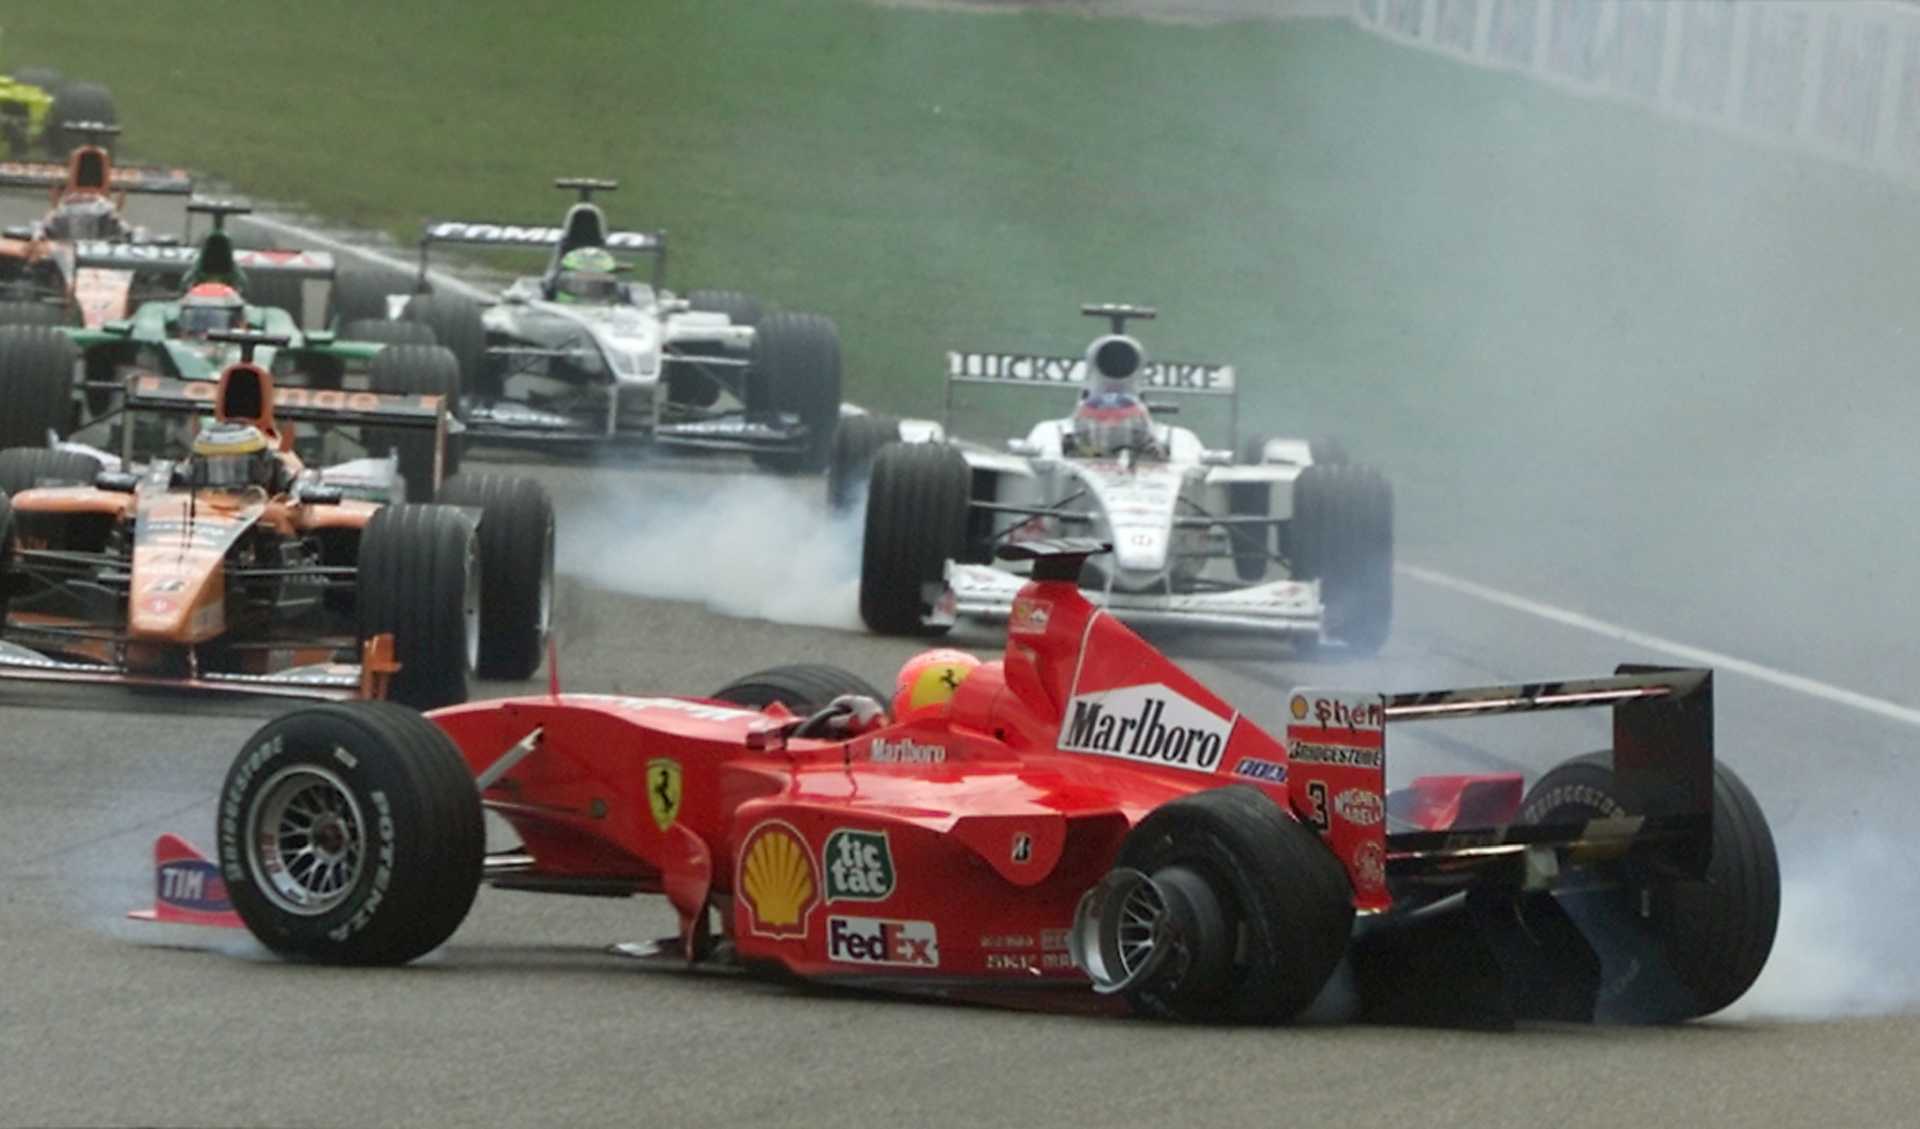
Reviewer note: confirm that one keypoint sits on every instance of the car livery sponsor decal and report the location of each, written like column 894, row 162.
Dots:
column 1370, row 866
column 1029, row 616
column 1033, row 368
column 859, row 866
column 872, row 940
column 1253, row 768
column 1150, row 724
column 1358, row 806
column 191, row 884
column 905, row 751
column 663, row 790
column 778, row 882
column 530, row 235
column 1022, row 847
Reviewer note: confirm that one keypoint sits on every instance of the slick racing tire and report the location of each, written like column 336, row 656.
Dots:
column 699, row 389
column 516, row 568
column 36, row 369
column 419, row 578
column 361, row 295
column 455, row 322
column 276, row 291
column 856, row 441
column 1259, row 910
column 1341, row 534
column 35, row 313
column 795, row 368
column 916, row 521
column 6, row 552
column 351, row 834
column 1253, row 544
column 77, row 102
column 383, row 332
column 24, row 468
column 413, row 370
column 804, row 688
column 1714, row 933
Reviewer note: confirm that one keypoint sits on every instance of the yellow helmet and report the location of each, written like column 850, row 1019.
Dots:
column 229, row 455
column 929, row 679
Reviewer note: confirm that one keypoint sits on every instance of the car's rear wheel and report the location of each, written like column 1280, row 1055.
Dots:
column 1341, row 534
column 917, row 502
column 702, row 388
column 516, row 568
column 381, row 331
column 361, row 295
column 455, row 322
column 36, row 313
column 1714, row 933
column 276, row 290
column 419, row 579
column 421, row 370
column 795, row 369
column 74, row 103
column 856, row 441
column 804, row 688
column 351, row 834
column 37, row 371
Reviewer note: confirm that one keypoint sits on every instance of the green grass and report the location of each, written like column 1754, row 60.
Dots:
column 1550, row 318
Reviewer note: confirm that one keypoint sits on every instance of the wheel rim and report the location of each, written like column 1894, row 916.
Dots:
column 1140, row 931
column 307, row 840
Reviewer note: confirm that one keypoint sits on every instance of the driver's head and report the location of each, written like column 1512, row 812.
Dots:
column 231, row 456
column 587, row 274
column 1107, row 423
column 929, row 680
column 85, row 217
column 212, row 307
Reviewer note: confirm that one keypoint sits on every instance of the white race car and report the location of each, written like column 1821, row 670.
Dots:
column 1290, row 538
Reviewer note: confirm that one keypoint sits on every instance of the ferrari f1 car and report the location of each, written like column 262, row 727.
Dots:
column 577, row 356
column 243, row 568
column 40, row 279
column 1290, row 538
column 65, row 375
column 1080, row 817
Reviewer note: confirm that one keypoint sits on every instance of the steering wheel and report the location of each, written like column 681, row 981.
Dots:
column 820, row 722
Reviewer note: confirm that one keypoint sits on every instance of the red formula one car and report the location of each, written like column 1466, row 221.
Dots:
column 1079, row 817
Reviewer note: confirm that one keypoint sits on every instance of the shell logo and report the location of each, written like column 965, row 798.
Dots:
column 778, row 883
column 1298, row 707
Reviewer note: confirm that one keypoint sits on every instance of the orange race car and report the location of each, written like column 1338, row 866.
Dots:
column 241, row 567
column 41, row 282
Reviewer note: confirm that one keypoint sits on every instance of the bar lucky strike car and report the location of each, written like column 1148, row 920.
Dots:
column 1080, row 817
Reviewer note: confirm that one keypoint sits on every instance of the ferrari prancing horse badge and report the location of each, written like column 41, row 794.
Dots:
column 663, row 791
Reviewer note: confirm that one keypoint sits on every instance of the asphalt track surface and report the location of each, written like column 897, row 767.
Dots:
column 523, row 1019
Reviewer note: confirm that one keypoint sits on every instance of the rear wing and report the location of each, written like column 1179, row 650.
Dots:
column 154, row 393
column 481, row 233
column 1662, row 758
column 1040, row 370
column 178, row 259
column 148, row 179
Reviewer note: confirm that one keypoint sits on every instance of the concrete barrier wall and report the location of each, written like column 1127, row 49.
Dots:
column 1840, row 79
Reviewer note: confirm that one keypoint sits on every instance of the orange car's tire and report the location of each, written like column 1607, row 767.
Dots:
column 36, row 369
column 516, row 568
column 419, row 580
column 35, row 313
column 367, row 858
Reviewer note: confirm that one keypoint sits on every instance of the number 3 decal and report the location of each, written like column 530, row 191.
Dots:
column 1317, row 800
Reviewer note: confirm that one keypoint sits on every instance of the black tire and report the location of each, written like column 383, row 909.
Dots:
column 516, row 568
column 36, row 313
column 795, row 367
column 36, row 369
column 1327, row 451
column 6, row 554
column 698, row 388
column 804, row 688
column 387, row 332
column 1288, row 907
column 855, row 442
column 916, row 521
column 429, row 370
column 419, row 820
column 279, row 291
column 455, row 321
column 1716, row 933
column 1254, row 545
column 77, row 102
column 420, row 578
column 1341, row 534
column 23, row 468
column 361, row 295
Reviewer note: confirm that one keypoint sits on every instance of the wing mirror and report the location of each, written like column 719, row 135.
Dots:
column 1211, row 457
column 18, row 231
column 1025, row 447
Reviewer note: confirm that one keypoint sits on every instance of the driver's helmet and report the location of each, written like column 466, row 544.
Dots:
column 86, row 217
column 587, row 275
column 1110, row 422
column 929, row 680
column 212, row 307
column 228, row 455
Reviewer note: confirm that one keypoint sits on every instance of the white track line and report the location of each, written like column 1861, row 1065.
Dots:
column 319, row 238
column 1700, row 656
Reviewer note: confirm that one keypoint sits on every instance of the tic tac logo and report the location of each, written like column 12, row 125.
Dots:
column 859, row 866
column 778, row 882
column 868, row 940
column 193, row 884
column 1151, row 724
column 663, row 791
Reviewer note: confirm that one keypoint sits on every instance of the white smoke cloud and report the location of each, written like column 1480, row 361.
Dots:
column 755, row 547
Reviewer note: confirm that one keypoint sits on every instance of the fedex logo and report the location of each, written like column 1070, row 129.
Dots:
column 869, row 940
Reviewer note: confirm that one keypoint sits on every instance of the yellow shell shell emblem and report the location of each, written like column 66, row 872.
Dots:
column 1298, row 707
column 779, row 883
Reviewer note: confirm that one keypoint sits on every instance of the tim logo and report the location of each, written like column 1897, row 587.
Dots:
column 193, row 884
